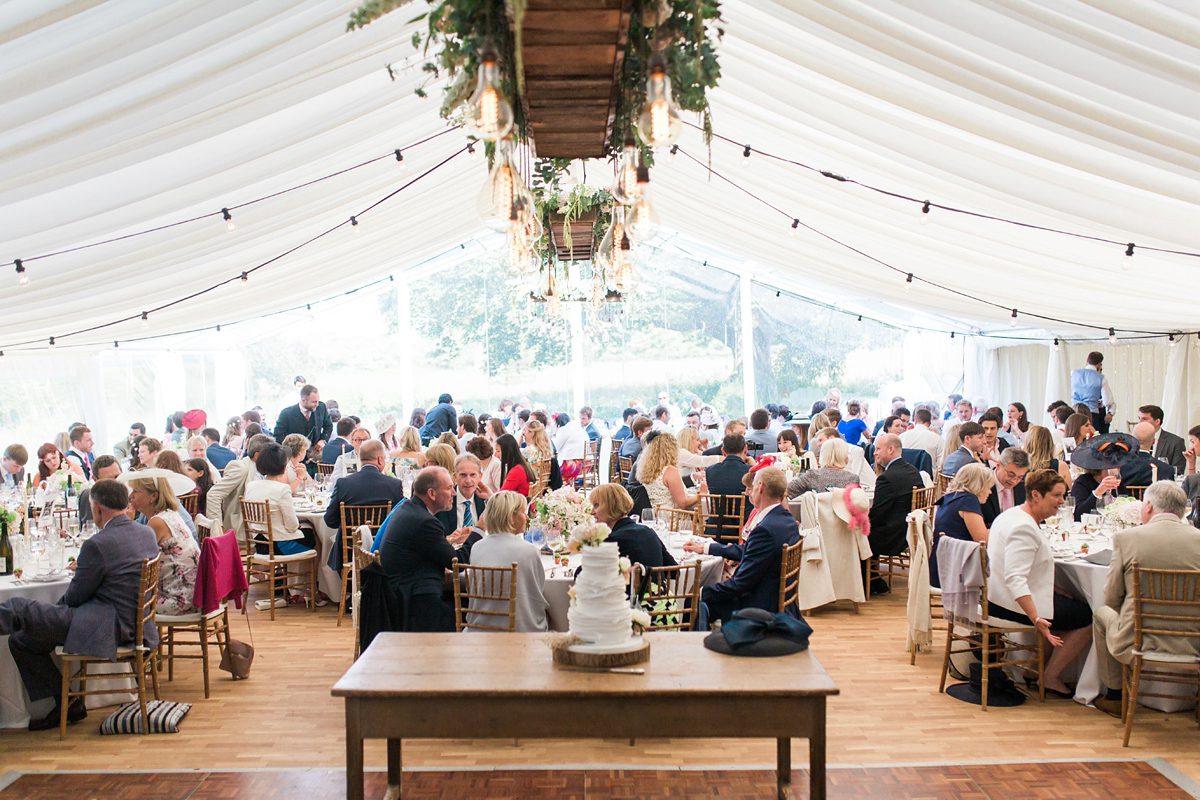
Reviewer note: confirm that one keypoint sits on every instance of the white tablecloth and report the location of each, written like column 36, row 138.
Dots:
column 15, row 708
column 330, row 582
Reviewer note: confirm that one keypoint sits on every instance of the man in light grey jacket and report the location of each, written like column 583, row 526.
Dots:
column 224, row 503
column 97, row 614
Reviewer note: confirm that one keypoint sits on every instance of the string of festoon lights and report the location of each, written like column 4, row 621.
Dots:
column 242, row 276
column 909, row 278
column 218, row 328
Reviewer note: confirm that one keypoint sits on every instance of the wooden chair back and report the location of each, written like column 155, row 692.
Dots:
column 1137, row 492
column 723, row 516
column 923, row 499
column 677, row 519
column 789, row 576
column 625, row 466
column 940, row 483
column 589, row 478
column 325, row 470
column 671, row 595
column 1166, row 605
column 354, row 517
column 614, row 463
column 256, row 518
column 190, row 501
column 148, row 596
column 541, row 482
column 482, row 584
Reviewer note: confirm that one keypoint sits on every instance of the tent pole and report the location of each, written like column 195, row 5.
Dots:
column 747, row 321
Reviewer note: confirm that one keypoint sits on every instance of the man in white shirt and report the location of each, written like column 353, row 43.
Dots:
column 962, row 413
column 468, row 429
column 12, row 466
column 662, row 419
column 921, row 437
column 676, row 417
column 570, row 440
column 1090, row 386
column 462, row 521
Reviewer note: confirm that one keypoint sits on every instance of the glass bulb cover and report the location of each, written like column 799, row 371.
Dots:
column 497, row 198
column 488, row 115
column 626, row 188
column 659, row 124
column 643, row 220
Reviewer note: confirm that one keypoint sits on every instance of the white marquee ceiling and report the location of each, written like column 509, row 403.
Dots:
column 119, row 116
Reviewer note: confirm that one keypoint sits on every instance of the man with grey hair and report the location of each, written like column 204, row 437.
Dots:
column 224, row 503
column 892, row 502
column 1163, row 541
column 1011, row 467
column 468, row 504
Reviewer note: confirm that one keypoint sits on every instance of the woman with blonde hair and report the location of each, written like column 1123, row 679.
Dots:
column 296, row 445
column 1040, row 446
column 537, row 442
column 819, row 422
column 658, row 471
column 409, row 454
column 505, row 519
column 150, row 494
column 611, row 504
column 960, row 510
column 831, row 471
column 440, row 455
column 690, row 458
column 450, row 440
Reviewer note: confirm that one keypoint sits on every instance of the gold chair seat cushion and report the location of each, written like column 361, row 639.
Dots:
column 188, row 619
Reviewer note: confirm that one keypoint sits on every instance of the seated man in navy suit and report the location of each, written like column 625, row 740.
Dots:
column 340, row 443
column 367, row 487
column 415, row 552
column 468, row 505
column 755, row 582
column 725, row 477
column 1144, row 469
column 217, row 454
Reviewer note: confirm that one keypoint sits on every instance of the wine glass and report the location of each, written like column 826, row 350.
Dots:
column 37, row 547
column 537, row 536
column 648, row 517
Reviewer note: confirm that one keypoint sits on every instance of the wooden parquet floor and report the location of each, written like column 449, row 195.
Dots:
column 1093, row 781
column 888, row 713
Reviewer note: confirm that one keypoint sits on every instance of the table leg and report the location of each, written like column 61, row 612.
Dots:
column 354, row 752
column 816, row 752
column 393, row 766
column 783, row 768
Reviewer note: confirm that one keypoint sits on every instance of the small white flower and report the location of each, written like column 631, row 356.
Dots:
column 640, row 620
column 624, row 565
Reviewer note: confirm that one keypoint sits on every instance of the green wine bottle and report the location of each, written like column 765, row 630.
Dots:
column 6, row 549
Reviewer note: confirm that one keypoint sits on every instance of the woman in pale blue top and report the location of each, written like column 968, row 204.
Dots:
column 504, row 518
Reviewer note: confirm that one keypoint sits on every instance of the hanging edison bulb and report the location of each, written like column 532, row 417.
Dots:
column 604, row 251
column 643, row 221
column 626, row 188
column 659, row 124
column 596, row 299
column 489, row 115
column 496, row 198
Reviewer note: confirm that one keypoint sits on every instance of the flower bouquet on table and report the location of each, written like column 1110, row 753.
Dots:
column 560, row 511
column 590, row 534
column 1123, row 512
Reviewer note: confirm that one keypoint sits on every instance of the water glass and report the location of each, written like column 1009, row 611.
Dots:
column 648, row 517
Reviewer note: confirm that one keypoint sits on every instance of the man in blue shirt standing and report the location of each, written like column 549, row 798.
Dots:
column 1090, row 387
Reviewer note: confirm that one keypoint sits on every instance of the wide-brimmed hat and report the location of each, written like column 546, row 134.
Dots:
column 387, row 421
column 194, row 419
column 1105, row 451
column 758, row 632
column 180, row 484
column 799, row 419
column 1002, row 692
column 857, row 496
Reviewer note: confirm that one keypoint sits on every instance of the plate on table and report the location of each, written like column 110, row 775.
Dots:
column 49, row 577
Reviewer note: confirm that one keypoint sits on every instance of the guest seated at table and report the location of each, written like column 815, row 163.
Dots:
column 624, row 432
column 344, row 464
column 290, row 537
column 200, row 471
column 417, row 418
column 632, row 445
column 1010, row 472
column 658, row 471
column 441, row 455
column 367, row 487
column 153, row 497
column 970, row 450
column 483, row 449
column 1144, row 469
column 1021, row 581
column 831, row 472
column 49, row 461
column 611, row 504
column 690, row 459
column 106, row 467
column 233, row 438
column 1093, row 489
column 340, row 443
column 415, row 552
column 892, row 502
column 1039, row 444
column 760, row 435
column 516, row 471
column 1163, row 540
column 170, row 461
column 148, row 450
column 468, row 504
column 409, row 452
column 493, row 429
column 196, row 446
column 386, row 425
column 449, row 440
column 852, row 428
column 788, row 443
column 216, row 454
column 505, row 519
column 440, row 419
column 959, row 514
column 96, row 614
column 725, row 478
column 296, row 445
column 1080, row 428
column 820, row 421
column 536, row 442
column 571, row 442
column 755, row 582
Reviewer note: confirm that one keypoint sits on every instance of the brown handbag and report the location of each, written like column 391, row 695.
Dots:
column 237, row 656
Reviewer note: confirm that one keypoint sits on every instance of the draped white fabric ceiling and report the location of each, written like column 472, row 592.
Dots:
column 118, row 116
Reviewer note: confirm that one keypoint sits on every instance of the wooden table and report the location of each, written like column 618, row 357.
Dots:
column 505, row 685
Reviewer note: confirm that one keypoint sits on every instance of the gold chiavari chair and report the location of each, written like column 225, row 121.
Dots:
column 722, row 516
column 271, row 566
column 475, row 585
column 685, row 520
column 671, row 595
column 352, row 518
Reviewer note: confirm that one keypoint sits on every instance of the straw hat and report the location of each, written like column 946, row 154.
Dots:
column 180, row 484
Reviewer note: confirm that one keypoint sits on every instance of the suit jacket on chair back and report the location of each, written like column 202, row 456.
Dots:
column 890, row 507
column 104, row 590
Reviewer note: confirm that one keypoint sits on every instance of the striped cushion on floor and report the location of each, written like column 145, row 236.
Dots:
column 164, row 717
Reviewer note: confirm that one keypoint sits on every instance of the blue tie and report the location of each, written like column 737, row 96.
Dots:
column 467, row 514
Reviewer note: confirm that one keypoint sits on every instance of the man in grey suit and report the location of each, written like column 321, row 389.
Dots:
column 98, row 613
column 1167, row 446
column 973, row 440
column 1162, row 541
column 224, row 503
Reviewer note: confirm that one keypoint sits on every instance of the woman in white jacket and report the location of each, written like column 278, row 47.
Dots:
column 1021, row 583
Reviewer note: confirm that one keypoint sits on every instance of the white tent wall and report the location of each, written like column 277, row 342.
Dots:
column 1139, row 374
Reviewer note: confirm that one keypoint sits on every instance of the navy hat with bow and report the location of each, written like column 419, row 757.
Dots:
column 757, row 632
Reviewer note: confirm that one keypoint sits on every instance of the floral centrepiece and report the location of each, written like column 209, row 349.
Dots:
column 562, row 510
column 1124, row 512
column 587, row 534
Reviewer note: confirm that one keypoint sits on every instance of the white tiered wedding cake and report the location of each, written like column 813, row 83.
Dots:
column 601, row 616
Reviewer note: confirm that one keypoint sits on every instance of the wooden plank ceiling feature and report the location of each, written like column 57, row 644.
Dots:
column 573, row 51
column 582, row 242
